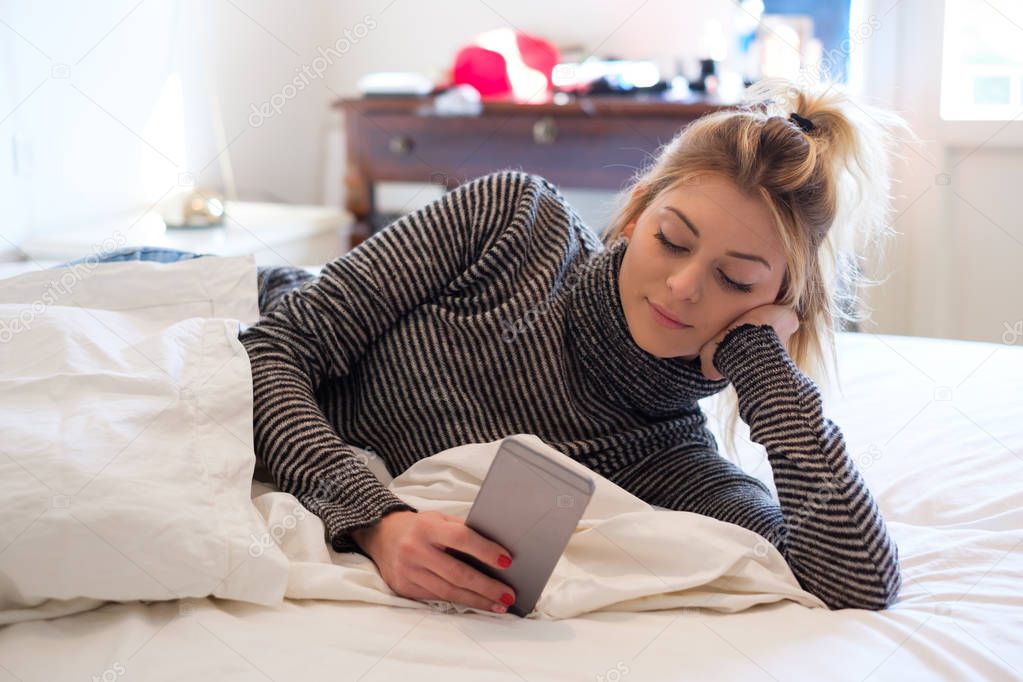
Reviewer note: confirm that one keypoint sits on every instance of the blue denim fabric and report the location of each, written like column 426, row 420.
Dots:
column 156, row 253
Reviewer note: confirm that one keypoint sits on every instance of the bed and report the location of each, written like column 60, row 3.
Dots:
column 935, row 427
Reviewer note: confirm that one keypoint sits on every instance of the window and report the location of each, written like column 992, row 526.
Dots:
column 982, row 60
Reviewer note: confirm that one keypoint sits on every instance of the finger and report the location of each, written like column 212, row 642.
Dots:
column 463, row 575
column 448, row 591
column 414, row 590
column 459, row 536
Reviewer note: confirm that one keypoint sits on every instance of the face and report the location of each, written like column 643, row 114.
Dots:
column 703, row 253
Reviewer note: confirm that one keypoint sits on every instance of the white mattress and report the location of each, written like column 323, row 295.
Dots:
column 936, row 431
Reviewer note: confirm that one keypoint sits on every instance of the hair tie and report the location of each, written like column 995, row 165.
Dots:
column 804, row 123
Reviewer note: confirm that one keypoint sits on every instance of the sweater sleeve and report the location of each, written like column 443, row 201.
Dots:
column 827, row 525
column 831, row 533
column 318, row 332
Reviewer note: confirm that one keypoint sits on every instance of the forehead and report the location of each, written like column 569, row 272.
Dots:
column 724, row 215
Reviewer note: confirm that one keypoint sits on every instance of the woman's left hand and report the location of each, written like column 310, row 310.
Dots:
column 782, row 318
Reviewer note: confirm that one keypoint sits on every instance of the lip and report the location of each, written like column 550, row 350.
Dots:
column 663, row 319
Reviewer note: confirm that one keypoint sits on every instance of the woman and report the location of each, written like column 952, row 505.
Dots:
column 495, row 310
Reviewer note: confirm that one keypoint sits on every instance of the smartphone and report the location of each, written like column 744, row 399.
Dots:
column 530, row 504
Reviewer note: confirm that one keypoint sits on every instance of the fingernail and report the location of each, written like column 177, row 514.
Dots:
column 499, row 608
column 504, row 561
column 507, row 599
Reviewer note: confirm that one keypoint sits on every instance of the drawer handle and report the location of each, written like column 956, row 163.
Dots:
column 545, row 130
column 400, row 144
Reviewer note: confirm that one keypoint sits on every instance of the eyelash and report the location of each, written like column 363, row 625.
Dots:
column 675, row 248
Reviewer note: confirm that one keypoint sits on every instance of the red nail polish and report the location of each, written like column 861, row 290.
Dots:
column 504, row 561
column 507, row 599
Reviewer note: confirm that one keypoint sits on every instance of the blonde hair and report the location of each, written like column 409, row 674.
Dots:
column 828, row 190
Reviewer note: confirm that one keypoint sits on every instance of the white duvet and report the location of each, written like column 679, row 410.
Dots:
column 623, row 556
column 126, row 456
column 127, row 465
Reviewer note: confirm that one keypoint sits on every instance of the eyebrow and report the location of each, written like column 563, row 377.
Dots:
column 747, row 256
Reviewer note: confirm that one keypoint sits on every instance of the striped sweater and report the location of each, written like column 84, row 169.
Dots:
column 495, row 310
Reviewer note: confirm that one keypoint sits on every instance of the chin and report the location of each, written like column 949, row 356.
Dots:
column 658, row 350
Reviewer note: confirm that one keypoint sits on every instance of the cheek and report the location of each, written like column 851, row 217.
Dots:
column 648, row 250
column 725, row 309
column 644, row 266
column 719, row 315
column 655, row 265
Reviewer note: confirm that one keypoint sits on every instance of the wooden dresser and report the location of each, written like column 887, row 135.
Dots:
column 586, row 142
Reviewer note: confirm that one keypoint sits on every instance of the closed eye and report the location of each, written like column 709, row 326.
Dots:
column 676, row 249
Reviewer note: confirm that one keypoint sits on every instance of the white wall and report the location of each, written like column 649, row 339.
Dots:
column 108, row 104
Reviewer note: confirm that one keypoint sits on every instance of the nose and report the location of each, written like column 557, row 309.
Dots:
column 684, row 283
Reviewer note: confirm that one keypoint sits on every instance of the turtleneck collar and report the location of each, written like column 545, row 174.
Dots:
column 613, row 365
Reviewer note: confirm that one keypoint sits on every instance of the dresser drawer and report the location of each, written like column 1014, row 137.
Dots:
column 574, row 150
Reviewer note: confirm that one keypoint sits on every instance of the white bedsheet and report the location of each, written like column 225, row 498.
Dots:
column 935, row 427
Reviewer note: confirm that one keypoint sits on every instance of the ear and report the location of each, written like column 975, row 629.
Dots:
column 637, row 190
column 628, row 230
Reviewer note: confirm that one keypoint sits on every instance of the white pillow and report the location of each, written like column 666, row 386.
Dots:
column 159, row 292
column 127, row 452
